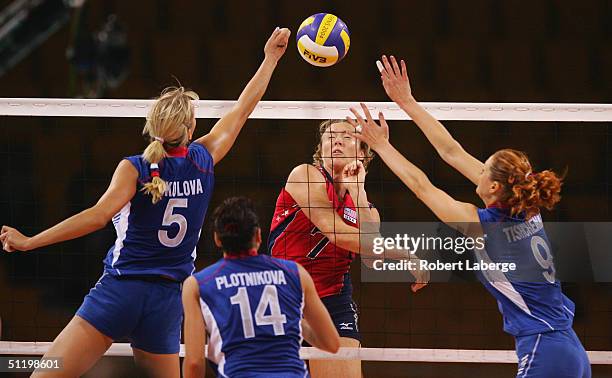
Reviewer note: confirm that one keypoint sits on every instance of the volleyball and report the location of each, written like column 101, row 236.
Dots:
column 323, row 39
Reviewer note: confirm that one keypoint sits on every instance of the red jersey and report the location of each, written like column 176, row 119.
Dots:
column 294, row 237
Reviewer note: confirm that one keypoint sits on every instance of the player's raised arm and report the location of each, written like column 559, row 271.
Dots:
column 317, row 327
column 446, row 208
column 194, row 364
column 223, row 135
column 120, row 191
column 307, row 186
column 397, row 85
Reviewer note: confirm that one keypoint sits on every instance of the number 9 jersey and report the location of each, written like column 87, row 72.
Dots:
column 160, row 239
column 252, row 306
column 529, row 297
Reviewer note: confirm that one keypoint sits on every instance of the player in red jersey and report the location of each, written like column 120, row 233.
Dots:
column 317, row 222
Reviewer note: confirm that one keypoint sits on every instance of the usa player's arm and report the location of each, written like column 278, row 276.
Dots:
column 224, row 133
column 194, row 364
column 397, row 85
column 317, row 326
column 120, row 191
column 445, row 207
column 307, row 187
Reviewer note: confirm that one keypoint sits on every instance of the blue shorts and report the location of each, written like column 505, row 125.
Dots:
column 147, row 311
column 556, row 354
column 344, row 313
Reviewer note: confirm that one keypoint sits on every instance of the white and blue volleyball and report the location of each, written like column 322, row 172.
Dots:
column 323, row 39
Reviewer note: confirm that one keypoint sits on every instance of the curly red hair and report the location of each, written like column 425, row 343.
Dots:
column 524, row 191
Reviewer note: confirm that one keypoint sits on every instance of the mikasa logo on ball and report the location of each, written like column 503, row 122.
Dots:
column 323, row 39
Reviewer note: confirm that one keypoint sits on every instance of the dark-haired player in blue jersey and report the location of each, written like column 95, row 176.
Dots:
column 535, row 310
column 157, row 202
column 250, row 306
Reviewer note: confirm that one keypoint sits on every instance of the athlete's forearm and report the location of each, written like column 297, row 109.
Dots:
column 225, row 132
column 309, row 335
column 255, row 89
column 193, row 369
column 447, row 147
column 83, row 223
column 434, row 131
column 411, row 175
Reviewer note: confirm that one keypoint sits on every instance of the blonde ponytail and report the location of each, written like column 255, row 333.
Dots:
column 154, row 153
column 169, row 123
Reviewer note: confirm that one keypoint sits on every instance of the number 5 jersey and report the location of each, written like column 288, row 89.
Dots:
column 160, row 239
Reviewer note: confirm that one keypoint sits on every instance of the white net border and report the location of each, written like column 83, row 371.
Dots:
column 444, row 111
column 364, row 354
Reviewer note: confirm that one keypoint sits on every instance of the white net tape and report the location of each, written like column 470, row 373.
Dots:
column 459, row 111
column 364, row 354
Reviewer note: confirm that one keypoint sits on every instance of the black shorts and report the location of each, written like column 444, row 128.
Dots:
column 344, row 314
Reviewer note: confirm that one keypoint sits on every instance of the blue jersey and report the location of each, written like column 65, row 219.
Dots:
column 529, row 298
column 160, row 239
column 252, row 306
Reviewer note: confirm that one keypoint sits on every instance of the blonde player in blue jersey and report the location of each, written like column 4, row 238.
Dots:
column 250, row 306
column 535, row 310
column 157, row 202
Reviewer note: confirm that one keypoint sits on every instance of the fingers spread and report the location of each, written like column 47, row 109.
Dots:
column 381, row 118
column 388, row 68
column 358, row 116
column 396, row 69
column 380, row 66
column 352, row 122
column 366, row 111
column 404, row 70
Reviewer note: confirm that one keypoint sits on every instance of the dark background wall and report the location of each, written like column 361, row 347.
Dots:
column 473, row 50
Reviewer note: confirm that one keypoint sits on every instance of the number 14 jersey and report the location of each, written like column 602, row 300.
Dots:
column 252, row 306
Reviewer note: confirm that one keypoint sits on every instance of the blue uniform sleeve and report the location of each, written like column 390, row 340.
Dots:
column 200, row 156
column 140, row 165
column 486, row 216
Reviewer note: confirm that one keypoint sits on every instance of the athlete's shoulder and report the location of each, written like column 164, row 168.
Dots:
column 288, row 264
column 493, row 214
column 210, row 272
column 289, row 267
column 197, row 147
column 199, row 155
column 305, row 173
column 138, row 162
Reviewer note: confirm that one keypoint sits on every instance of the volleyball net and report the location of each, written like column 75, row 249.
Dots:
column 57, row 157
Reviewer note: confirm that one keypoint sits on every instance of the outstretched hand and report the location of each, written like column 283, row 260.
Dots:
column 369, row 131
column 421, row 278
column 13, row 240
column 277, row 43
column 395, row 80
